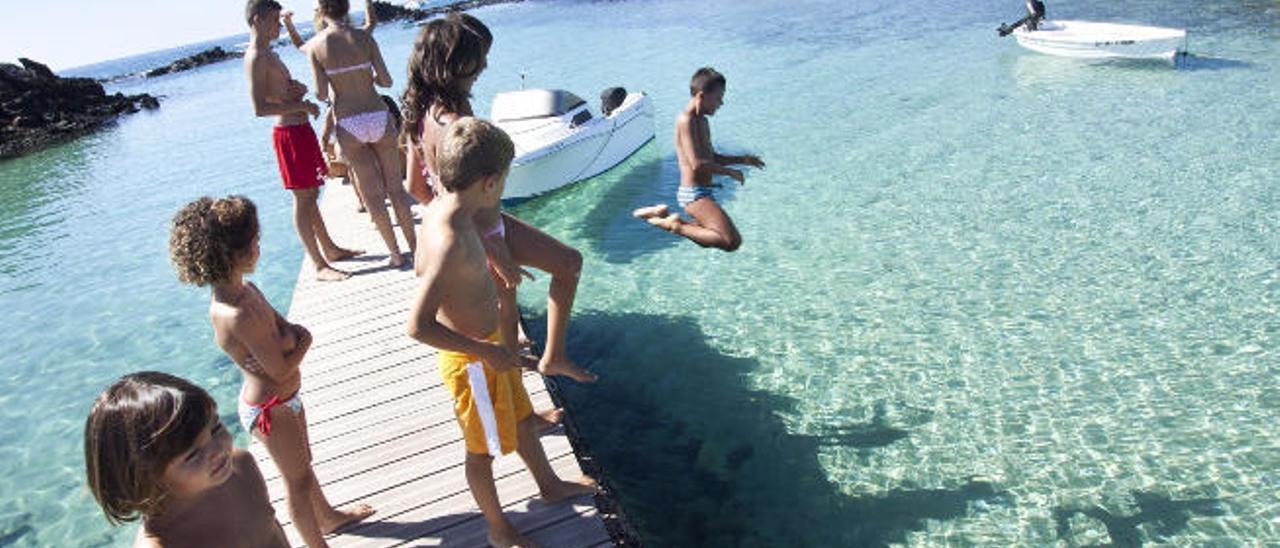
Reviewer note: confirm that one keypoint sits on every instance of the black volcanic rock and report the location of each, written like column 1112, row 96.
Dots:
column 391, row 12
column 206, row 57
column 38, row 109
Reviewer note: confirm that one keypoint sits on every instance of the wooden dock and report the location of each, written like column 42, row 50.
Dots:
column 381, row 423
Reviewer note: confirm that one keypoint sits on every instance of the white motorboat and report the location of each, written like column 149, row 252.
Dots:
column 560, row 141
column 1090, row 40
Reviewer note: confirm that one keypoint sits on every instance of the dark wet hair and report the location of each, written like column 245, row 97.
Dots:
column 470, row 150
column 335, row 8
column 445, row 53
column 136, row 427
column 394, row 108
column 209, row 236
column 254, row 8
column 706, row 80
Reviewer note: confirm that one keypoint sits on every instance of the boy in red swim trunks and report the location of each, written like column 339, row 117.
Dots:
column 276, row 93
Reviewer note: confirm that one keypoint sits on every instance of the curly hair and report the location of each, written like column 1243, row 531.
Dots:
column 135, row 428
column 209, row 236
column 445, row 53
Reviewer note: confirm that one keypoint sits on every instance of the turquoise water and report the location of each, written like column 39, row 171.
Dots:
column 986, row 297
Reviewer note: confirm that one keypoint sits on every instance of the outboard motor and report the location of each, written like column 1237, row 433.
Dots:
column 1035, row 14
column 610, row 99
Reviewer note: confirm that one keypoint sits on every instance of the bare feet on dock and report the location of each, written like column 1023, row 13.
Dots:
column 562, row 489
column 659, row 210
column 331, row 274
column 396, row 260
column 342, row 518
column 342, row 254
column 547, row 421
column 510, row 538
column 566, row 368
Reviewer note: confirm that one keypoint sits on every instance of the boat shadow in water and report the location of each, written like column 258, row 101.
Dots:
column 644, row 180
column 697, row 456
column 1167, row 515
column 1201, row 62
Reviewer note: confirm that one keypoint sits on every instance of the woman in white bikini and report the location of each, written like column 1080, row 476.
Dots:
column 347, row 61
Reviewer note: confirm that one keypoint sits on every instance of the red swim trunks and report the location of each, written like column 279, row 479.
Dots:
column 298, row 152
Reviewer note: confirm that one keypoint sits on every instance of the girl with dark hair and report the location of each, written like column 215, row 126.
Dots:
column 347, row 61
column 447, row 58
column 155, row 450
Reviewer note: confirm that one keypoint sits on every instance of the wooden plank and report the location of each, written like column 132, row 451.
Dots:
column 381, row 422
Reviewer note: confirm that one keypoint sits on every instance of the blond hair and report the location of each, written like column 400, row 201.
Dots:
column 470, row 150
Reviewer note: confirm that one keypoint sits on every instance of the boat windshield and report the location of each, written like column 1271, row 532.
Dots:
column 533, row 103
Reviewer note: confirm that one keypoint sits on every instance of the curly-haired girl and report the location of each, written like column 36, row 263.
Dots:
column 215, row 243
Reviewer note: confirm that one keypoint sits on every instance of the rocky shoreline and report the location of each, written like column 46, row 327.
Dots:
column 38, row 108
column 206, row 57
column 391, row 12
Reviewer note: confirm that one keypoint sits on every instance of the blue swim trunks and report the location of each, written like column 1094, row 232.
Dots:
column 688, row 194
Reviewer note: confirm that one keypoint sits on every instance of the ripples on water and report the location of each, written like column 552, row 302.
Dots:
column 986, row 296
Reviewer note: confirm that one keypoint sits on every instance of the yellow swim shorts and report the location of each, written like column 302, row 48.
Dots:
column 488, row 404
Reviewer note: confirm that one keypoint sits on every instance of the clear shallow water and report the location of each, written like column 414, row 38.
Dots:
column 985, row 296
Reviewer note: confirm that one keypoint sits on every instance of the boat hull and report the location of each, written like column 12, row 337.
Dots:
column 1089, row 40
column 551, row 153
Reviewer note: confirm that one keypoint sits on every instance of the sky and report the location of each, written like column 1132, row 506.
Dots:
column 71, row 33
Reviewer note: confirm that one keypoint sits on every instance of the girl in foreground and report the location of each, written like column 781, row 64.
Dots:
column 154, row 449
column 446, row 60
column 215, row 242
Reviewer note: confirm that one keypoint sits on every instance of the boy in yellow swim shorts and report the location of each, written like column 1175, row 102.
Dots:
column 456, row 311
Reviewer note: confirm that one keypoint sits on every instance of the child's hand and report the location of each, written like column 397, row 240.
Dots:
column 509, row 273
column 737, row 176
column 753, row 161
column 287, row 15
column 501, row 358
column 295, row 90
column 311, row 108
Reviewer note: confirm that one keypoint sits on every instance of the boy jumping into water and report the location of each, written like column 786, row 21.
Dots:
column 276, row 93
column 456, row 311
column 711, row 226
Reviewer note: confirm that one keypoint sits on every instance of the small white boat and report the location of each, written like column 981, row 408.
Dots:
column 1090, row 40
column 560, row 141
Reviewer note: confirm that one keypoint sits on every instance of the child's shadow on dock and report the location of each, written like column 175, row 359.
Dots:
column 698, row 456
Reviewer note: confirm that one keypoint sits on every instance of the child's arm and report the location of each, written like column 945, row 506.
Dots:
column 327, row 132
column 381, row 77
column 423, row 326
column 370, row 16
column 695, row 139
column 501, row 262
column 322, row 77
column 294, row 36
column 262, row 104
column 268, row 344
column 747, row 159
column 415, row 179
